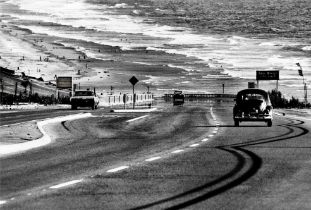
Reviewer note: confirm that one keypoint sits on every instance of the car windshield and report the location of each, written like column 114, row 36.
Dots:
column 84, row 93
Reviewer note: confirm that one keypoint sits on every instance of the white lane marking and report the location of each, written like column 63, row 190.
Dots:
column 211, row 135
column 66, row 184
column 152, row 159
column 214, row 131
column 137, row 118
column 178, row 151
column 194, row 145
column 206, row 139
column 12, row 199
column 135, row 110
column 3, row 202
column 117, row 169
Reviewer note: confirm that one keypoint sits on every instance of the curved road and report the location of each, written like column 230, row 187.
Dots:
column 188, row 157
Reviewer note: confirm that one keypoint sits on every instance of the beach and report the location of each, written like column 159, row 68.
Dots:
column 104, row 45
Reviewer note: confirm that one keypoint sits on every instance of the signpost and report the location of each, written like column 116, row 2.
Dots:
column 267, row 75
column 133, row 81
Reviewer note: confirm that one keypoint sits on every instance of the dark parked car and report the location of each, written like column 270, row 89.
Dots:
column 178, row 98
column 252, row 105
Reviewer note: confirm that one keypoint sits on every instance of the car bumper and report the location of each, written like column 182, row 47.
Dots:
column 82, row 103
column 252, row 118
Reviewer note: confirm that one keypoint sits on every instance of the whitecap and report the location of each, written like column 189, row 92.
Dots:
column 121, row 5
column 306, row 48
column 136, row 12
column 268, row 44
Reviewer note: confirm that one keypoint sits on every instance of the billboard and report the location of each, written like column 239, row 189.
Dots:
column 64, row 82
column 267, row 75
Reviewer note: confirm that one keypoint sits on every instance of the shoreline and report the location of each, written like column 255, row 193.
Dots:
column 114, row 70
column 106, row 66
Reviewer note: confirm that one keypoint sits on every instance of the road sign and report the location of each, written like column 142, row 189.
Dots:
column 64, row 82
column 267, row 75
column 133, row 80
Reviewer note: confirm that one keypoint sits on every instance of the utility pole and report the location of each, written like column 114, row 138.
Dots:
column 1, row 98
column 300, row 72
column 15, row 92
column 148, row 88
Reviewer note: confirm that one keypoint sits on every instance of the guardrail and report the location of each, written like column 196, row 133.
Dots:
column 209, row 95
column 125, row 99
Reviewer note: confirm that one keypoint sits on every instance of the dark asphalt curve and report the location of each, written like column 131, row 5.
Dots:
column 88, row 147
column 178, row 158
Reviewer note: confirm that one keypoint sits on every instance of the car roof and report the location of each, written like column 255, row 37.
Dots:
column 253, row 91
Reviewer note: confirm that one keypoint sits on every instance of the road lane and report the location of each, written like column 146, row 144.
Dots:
column 246, row 167
column 86, row 147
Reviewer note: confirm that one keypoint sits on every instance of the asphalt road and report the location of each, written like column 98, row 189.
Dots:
column 188, row 157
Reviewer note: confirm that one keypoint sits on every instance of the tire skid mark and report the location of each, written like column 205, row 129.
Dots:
column 241, row 161
column 255, row 166
column 235, row 149
column 274, row 138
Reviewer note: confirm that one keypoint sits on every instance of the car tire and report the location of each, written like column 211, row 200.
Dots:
column 236, row 123
column 269, row 123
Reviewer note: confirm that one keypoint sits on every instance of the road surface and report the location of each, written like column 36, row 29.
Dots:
column 189, row 157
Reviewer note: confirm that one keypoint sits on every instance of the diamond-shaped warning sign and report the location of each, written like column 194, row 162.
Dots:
column 133, row 80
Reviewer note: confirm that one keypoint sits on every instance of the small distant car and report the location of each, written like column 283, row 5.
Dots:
column 252, row 105
column 178, row 98
column 84, row 98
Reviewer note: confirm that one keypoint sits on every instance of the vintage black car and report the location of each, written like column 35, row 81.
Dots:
column 252, row 105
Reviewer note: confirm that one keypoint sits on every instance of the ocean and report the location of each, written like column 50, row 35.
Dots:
column 208, row 58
